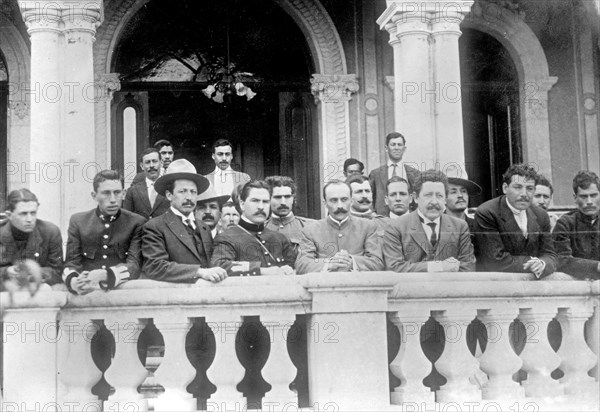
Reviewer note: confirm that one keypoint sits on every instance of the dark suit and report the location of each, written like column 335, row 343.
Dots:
column 378, row 179
column 501, row 246
column 170, row 252
column 94, row 243
column 406, row 247
column 577, row 243
column 44, row 245
column 137, row 201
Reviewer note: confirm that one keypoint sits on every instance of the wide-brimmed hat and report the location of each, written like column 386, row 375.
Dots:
column 473, row 189
column 181, row 169
column 210, row 195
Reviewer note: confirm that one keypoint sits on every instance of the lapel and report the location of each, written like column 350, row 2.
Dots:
column 510, row 224
column 446, row 230
column 160, row 199
column 142, row 189
column 176, row 226
column 383, row 175
column 417, row 233
column 532, row 226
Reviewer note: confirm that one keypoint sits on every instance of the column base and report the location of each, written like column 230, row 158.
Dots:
column 509, row 390
column 587, row 388
column 542, row 387
column 413, row 395
column 458, row 394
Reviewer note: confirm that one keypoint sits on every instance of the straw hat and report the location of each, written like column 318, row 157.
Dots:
column 181, row 169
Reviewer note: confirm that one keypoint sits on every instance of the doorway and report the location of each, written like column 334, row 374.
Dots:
column 3, row 132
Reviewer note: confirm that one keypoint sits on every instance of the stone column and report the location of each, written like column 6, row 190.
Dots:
column 62, row 102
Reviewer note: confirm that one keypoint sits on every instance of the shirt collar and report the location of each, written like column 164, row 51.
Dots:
column 183, row 217
column 282, row 220
column 365, row 215
column 515, row 211
column 249, row 226
column 390, row 163
column 149, row 182
column 336, row 222
column 426, row 220
column 107, row 218
column 219, row 171
column 394, row 215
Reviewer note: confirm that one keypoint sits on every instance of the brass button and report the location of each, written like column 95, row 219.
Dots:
column 281, row 227
column 103, row 267
column 105, row 247
column 106, row 225
column 105, row 236
column 340, row 235
column 104, row 257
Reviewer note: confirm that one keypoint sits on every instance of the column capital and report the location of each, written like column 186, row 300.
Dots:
column 106, row 84
column 333, row 88
column 401, row 11
column 20, row 107
column 47, row 15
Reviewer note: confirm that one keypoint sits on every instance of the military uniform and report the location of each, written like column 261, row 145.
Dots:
column 43, row 245
column 577, row 243
column 324, row 238
column 96, row 241
column 380, row 220
column 251, row 243
column 291, row 226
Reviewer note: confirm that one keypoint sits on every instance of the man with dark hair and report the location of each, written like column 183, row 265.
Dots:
column 353, row 167
column 104, row 244
column 362, row 200
column 224, row 179
column 395, row 146
column 24, row 236
column 208, row 209
column 427, row 240
column 177, row 247
column 339, row 242
column 283, row 219
column 577, row 233
column 512, row 235
column 457, row 199
column 543, row 197
column 141, row 198
column 250, row 249
column 229, row 217
column 397, row 196
column 166, row 154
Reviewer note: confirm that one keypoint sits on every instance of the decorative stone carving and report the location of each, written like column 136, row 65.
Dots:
column 20, row 108
column 75, row 15
column 106, row 84
column 333, row 88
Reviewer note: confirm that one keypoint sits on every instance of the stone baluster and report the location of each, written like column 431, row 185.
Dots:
column 226, row 371
column 125, row 372
column 456, row 364
column 593, row 338
column 279, row 371
column 539, row 359
column 499, row 361
column 77, row 371
column 175, row 371
column 411, row 365
column 576, row 357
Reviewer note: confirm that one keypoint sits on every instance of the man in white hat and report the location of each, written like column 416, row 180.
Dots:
column 208, row 208
column 176, row 247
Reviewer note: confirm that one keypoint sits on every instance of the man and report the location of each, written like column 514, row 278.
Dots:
column 224, row 179
column 283, row 219
column 24, row 236
column 353, row 167
column 427, row 240
column 395, row 146
column 543, row 197
column 104, row 244
column 208, row 209
column 250, row 249
column 362, row 200
column 176, row 247
column 397, row 196
column 577, row 233
column 339, row 242
column 141, row 198
column 512, row 235
column 165, row 150
column 457, row 199
column 229, row 217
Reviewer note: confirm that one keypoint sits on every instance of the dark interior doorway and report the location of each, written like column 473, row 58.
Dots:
column 490, row 90
column 164, row 58
column 3, row 132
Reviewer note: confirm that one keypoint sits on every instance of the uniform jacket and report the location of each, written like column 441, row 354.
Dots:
column 44, row 246
column 577, row 243
column 96, row 242
column 243, row 244
column 170, row 254
column 137, row 201
column 291, row 226
column 500, row 244
column 379, row 220
column 406, row 247
column 324, row 238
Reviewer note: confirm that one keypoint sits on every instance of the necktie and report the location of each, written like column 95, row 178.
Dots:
column 433, row 238
column 395, row 166
column 152, row 195
column 188, row 226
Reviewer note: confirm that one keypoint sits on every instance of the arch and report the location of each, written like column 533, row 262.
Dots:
column 510, row 29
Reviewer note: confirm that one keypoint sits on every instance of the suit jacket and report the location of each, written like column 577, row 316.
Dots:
column 577, row 243
column 406, row 247
column 137, row 201
column 44, row 245
column 378, row 179
column 170, row 254
column 501, row 246
column 94, row 243
column 324, row 238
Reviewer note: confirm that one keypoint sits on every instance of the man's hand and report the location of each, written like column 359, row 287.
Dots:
column 214, row 275
column 451, row 264
column 277, row 271
column 535, row 266
column 340, row 262
column 96, row 276
column 81, row 284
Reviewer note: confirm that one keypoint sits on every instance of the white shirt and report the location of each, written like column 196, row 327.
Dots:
column 427, row 228
column 520, row 218
column 151, row 192
column 394, row 216
column 223, row 180
column 183, row 217
column 399, row 171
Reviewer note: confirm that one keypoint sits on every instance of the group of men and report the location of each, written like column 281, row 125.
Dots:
column 176, row 225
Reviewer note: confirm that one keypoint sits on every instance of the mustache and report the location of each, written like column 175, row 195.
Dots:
column 153, row 169
column 188, row 203
column 283, row 207
column 208, row 216
column 364, row 201
column 434, row 207
column 260, row 213
column 340, row 210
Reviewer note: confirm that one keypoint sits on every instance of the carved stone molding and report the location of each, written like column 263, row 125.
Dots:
column 333, row 88
column 106, row 84
column 44, row 15
column 20, row 108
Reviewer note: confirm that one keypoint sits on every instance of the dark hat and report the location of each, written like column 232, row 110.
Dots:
column 181, row 169
column 210, row 195
column 473, row 189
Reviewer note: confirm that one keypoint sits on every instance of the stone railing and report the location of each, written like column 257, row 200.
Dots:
column 350, row 343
